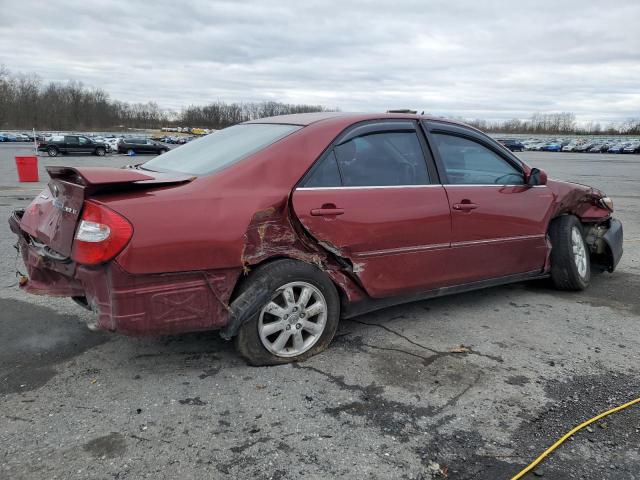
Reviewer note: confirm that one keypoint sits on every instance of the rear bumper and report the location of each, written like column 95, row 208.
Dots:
column 613, row 239
column 153, row 304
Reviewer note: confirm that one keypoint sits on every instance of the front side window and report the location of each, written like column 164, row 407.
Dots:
column 220, row 149
column 82, row 140
column 382, row 159
column 467, row 162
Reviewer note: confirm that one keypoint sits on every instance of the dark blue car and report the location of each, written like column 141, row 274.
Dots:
column 552, row 147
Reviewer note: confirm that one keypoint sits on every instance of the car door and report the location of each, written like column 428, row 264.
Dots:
column 153, row 147
column 71, row 144
column 141, row 146
column 374, row 199
column 498, row 222
column 85, row 145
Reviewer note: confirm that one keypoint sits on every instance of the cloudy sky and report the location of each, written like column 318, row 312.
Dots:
column 468, row 58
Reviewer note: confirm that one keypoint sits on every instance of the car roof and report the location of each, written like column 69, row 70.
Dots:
column 304, row 119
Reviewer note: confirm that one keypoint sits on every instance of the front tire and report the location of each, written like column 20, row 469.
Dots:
column 100, row 152
column 570, row 262
column 298, row 321
column 52, row 152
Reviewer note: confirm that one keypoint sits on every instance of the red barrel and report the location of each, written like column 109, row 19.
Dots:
column 27, row 169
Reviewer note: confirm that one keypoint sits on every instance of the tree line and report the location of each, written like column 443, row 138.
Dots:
column 557, row 123
column 27, row 102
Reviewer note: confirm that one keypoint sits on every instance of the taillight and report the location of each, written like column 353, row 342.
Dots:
column 101, row 234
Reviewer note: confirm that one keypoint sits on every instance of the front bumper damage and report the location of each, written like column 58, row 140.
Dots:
column 605, row 241
column 613, row 240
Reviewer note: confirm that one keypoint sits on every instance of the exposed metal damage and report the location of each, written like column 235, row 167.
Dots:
column 272, row 234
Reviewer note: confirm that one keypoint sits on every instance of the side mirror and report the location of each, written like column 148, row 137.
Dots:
column 537, row 177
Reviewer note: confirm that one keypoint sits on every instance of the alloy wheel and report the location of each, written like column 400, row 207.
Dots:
column 579, row 252
column 294, row 319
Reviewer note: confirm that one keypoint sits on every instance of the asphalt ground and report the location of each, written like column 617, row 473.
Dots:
column 388, row 399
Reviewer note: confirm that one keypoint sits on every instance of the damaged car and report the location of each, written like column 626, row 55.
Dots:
column 273, row 230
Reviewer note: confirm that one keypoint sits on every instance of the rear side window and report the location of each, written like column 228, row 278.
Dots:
column 220, row 149
column 467, row 162
column 382, row 159
column 325, row 174
column 71, row 140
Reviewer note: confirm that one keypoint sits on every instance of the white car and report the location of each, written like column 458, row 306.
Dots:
column 113, row 143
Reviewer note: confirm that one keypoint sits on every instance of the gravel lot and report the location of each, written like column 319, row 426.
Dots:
column 388, row 400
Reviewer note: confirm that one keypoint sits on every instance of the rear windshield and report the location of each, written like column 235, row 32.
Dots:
column 220, row 149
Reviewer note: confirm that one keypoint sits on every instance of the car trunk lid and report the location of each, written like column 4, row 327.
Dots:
column 52, row 216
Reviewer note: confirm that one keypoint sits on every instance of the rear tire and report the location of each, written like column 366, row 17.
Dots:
column 52, row 151
column 570, row 262
column 307, row 333
column 131, row 152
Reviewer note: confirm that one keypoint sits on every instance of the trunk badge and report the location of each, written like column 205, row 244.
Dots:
column 61, row 206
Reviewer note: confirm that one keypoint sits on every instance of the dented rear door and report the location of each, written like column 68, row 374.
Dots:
column 370, row 200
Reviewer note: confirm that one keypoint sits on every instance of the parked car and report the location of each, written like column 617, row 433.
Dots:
column 616, row 148
column 64, row 144
column 570, row 147
column 599, row 148
column 551, row 147
column 633, row 147
column 8, row 137
column 21, row 137
column 274, row 229
column 584, row 147
column 535, row 146
column 141, row 145
column 113, row 143
column 513, row 145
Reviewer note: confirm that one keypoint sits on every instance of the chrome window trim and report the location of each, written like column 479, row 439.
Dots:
column 489, row 185
column 376, row 187
column 446, row 185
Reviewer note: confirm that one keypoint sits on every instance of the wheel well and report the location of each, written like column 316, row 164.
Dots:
column 250, row 270
column 601, row 257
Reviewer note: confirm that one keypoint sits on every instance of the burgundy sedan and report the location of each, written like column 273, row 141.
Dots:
column 274, row 229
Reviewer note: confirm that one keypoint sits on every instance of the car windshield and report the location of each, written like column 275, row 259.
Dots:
column 220, row 149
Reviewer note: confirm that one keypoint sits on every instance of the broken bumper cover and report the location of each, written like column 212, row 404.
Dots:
column 613, row 239
column 154, row 304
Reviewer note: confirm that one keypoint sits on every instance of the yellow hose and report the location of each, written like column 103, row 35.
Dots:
column 533, row 464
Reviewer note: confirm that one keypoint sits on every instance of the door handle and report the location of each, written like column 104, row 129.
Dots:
column 327, row 209
column 465, row 206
